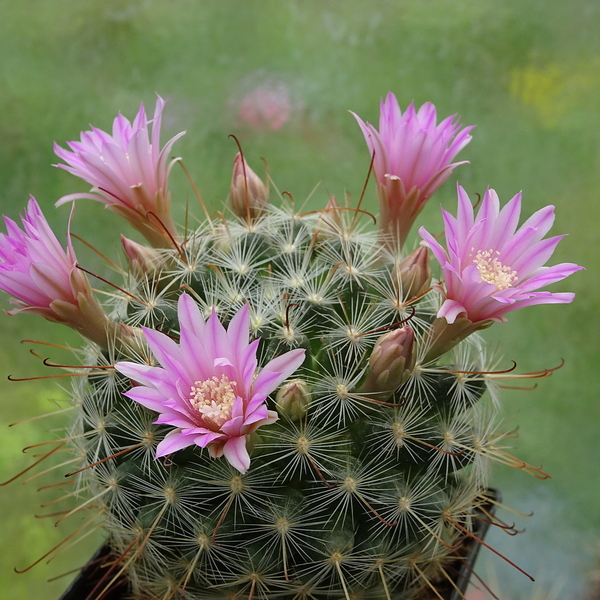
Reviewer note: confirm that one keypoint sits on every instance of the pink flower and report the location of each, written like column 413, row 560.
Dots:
column 208, row 387
column 413, row 157
column 266, row 107
column 43, row 279
column 128, row 172
column 490, row 267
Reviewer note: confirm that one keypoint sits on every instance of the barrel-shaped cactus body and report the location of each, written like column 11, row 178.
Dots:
column 348, row 494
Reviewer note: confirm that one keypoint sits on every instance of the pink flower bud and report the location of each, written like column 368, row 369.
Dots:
column 248, row 194
column 143, row 261
column 390, row 363
column 330, row 220
column 293, row 399
column 412, row 275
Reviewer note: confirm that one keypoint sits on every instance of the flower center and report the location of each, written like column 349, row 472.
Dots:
column 214, row 398
column 493, row 271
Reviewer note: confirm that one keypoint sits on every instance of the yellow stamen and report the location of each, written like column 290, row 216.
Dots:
column 493, row 271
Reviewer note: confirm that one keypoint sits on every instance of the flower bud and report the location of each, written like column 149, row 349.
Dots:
column 142, row 260
column 330, row 220
column 390, row 363
column 412, row 275
column 248, row 194
column 293, row 399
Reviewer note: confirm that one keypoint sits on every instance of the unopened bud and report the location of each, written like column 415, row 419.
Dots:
column 293, row 399
column 248, row 194
column 142, row 260
column 390, row 363
column 412, row 275
column 330, row 220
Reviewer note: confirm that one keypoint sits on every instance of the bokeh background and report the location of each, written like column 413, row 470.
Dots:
column 526, row 72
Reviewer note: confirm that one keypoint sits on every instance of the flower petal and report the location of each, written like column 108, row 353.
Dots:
column 173, row 441
column 283, row 366
column 236, row 453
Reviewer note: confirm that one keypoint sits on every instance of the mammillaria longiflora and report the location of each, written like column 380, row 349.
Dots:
column 412, row 157
column 277, row 407
column 129, row 172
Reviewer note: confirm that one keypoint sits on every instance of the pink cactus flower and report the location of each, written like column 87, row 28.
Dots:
column 43, row 278
column 413, row 157
column 208, row 387
column 490, row 267
column 266, row 107
column 128, row 172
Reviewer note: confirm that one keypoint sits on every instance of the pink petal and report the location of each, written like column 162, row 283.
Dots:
column 236, row 453
column 238, row 331
column 535, row 256
column 548, row 275
column 234, row 427
column 50, row 283
column 247, row 365
column 450, row 309
column 176, row 420
column 167, row 353
column 532, row 231
column 260, row 415
column 216, row 340
column 193, row 353
column 434, row 245
column 156, row 123
column 190, row 317
column 548, row 298
column 152, row 377
column 283, row 365
column 173, row 441
column 506, row 223
column 485, row 221
column 464, row 215
column 210, row 437
column 150, row 398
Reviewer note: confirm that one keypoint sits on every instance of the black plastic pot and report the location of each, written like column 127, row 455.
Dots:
column 93, row 578
column 465, row 570
column 95, row 575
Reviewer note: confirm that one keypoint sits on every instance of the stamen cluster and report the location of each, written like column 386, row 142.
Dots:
column 493, row 271
column 213, row 399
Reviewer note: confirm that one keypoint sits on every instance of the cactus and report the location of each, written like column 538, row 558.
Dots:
column 363, row 433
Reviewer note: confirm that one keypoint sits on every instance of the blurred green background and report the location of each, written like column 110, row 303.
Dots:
column 526, row 72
